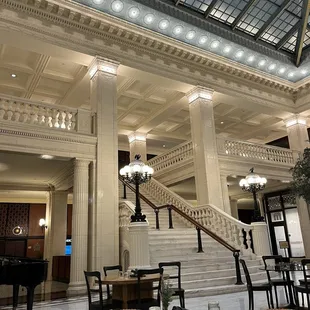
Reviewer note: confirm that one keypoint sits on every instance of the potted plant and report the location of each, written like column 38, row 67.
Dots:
column 301, row 177
column 166, row 293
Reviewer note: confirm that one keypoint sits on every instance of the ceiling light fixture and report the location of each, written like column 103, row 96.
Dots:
column 47, row 156
column 222, row 123
column 262, row 62
column 215, row 44
column 272, row 67
column 164, row 145
column 239, row 53
column 98, row 1
column 190, row 35
column 251, row 58
column 203, row 40
column 163, row 24
column 282, row 70
column 177, row 30
column 13, row 75
column 134, row 12
column 117, row 6
column 149, row 18
column 227, row 49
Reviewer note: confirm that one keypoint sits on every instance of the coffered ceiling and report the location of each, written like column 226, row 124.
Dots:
column 147, row 103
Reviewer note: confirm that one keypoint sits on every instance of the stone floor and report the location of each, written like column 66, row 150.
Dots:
column 236, row 301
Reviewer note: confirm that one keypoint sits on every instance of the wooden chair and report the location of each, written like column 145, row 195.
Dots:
column 178, row 291
column 98, row 303
column 257, row 287
column 276, row 282
column 146, row 303
column 111, row 268
column 305, row 287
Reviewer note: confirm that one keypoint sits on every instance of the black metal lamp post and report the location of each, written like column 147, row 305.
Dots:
column 254, row 183
column 137, row 173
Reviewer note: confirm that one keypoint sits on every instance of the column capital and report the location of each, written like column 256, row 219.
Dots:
column 136, row 136
column 200, row 92
column 296, row 119
column 102, row 64
column 81, row 163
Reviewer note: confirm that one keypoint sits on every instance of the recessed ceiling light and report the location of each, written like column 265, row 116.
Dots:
column 222, row 123
column 177, row 29
column 117, row 6
column 215, row 44
column 239, row 53
column 282, row 70
column 47, row 156
column 251, row 58
column 203, row 40
column 149, row 18
column 291, row 74
column 13, row 75
column 262, row 62
column 164, row 145
column 227, row 49
column 98, row 1
column 190, row 35
column 304, row 71
column 285, row 181
column 163, row 24
column 134, row 12
column 272, row 67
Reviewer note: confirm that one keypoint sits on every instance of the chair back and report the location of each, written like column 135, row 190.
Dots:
column 306, row 269
column 276, row 258
column 246, row 273
column 97, row 277
column 173, row 264
column 110, row 268
column 141, row 273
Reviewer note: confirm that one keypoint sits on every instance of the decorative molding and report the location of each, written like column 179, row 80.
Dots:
column 141, row 49
column 64, row 179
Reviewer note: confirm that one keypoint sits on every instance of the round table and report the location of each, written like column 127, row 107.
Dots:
column 125, row 288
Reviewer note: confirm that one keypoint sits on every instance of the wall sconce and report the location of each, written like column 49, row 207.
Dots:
column 42, row 223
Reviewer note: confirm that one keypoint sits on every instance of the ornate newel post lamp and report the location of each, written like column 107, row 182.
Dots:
column 254, row 183
column 137, row 173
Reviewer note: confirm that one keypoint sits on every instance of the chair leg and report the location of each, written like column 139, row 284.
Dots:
column 297, row 300
column 268, row 299
column 286, row 293
column 271, row 298
column 182, row 300
column 276, row 294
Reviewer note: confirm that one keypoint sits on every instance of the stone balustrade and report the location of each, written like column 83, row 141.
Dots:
column 226, row 147
column 19, row 110
column 211, row 217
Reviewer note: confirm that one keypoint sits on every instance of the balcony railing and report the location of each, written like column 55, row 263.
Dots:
column 225, row 147
column 23, row 111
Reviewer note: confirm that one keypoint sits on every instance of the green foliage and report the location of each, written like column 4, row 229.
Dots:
column 301, row 177
column 166, row 294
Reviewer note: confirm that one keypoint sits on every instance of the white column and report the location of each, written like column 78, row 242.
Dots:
column 79, row 228
column 91, row 252
column 207, row 172
column 104, row 102
column 225, row 193
column 137, row 145
column 56, row 227
column 299, row 140
column 260, row 237
column 234, row 208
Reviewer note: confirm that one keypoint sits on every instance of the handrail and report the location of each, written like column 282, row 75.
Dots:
column 184, row 215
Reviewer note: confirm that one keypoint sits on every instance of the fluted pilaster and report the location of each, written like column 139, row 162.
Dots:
column 79, row 227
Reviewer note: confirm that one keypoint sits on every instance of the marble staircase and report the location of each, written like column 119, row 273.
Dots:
column 209, row 273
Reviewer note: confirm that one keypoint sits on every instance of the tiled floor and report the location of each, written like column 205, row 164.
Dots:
column 237, row 301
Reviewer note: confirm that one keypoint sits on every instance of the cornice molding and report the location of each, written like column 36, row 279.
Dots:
column 137, row 47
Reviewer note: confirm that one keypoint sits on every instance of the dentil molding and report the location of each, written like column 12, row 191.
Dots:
column 93, row 33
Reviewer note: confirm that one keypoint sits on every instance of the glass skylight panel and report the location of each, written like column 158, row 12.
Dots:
column 295, row 7
column 290, row 44
column 257, row 15
column 226, row 11
column 197, row 5
column 307, row 38
column 279, row 27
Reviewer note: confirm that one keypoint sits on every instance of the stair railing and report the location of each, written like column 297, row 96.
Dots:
column 193, row 222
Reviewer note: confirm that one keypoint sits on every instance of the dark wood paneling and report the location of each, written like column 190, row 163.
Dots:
column 35, row 248
column 61, row 268
column 17, row 215
column 69, row 220
column 2, row 247
column 36, row 212
column 15, row 247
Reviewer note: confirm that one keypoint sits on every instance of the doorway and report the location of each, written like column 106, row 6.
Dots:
column 284, row 225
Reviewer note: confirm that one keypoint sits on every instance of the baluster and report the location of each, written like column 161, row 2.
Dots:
column 248, row 240
column 237, row 266
column 33, row 114
column 17, row 112
column 25, row 113
column 157, row 218
column 2, row 109
column 200, row 250
column 41, row 112
column 125, row 194
column 54, row 119
column 241, row 239
column 170, row 218
column 67, row 120
column 10, row 110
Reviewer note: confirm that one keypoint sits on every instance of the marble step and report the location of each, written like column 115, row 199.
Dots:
column 190, row 253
